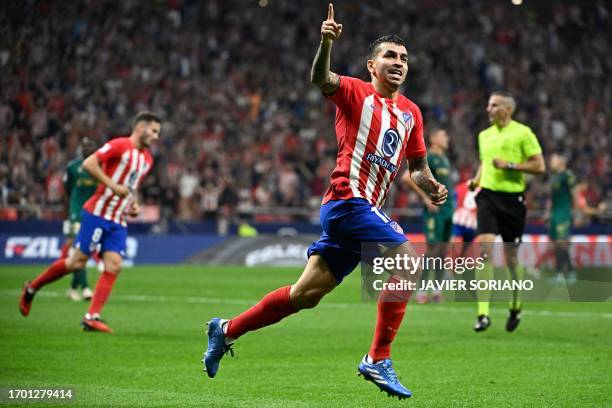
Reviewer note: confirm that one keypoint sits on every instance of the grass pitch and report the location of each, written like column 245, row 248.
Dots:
column 559, row 356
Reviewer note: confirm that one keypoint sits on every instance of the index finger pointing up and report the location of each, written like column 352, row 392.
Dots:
column 330, row 12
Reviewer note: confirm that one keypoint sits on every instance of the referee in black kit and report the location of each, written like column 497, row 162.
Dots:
column 507, row 150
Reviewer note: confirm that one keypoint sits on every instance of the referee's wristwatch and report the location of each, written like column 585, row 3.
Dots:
column 511, row 166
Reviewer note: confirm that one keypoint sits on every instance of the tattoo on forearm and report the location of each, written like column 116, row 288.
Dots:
column 320, row 65
column 320, row 74
column 420, row 173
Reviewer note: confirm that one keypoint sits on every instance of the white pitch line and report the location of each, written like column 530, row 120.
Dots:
column 244, row 302
column 548, row 313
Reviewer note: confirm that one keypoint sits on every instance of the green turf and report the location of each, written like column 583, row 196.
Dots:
column 559, row 356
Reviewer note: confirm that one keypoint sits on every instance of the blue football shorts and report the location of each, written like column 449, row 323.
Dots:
column 346, row 225
column 96, row 233
column 468, row 234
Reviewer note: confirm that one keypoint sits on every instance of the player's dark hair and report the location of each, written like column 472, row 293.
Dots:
column 392, row 38
column 146, row 116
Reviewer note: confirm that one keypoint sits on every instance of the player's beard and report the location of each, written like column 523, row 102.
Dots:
column 395, row 83
column 145, row 140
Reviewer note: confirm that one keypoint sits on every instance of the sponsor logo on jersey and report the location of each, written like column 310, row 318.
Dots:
column 390, row 142
column 382, row 162
column 131, row 182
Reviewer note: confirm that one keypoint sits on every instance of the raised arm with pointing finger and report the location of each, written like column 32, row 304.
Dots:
column 320, row 75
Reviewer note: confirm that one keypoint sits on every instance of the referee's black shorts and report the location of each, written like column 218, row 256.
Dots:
column 501, row 213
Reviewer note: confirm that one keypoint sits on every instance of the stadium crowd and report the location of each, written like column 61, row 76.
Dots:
column 243, row 126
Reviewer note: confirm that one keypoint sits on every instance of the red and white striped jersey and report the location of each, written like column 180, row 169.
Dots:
column 465, row 214
column 374, row 134
column 126, row 165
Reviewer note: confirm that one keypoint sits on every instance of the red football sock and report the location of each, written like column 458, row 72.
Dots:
column 102, row 292
column 391, row 309
column 271, row 309
column 53, row 273
column 64, row 252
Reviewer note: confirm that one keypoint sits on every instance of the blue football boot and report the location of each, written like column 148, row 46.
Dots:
column 216, row 346
column 383, row 375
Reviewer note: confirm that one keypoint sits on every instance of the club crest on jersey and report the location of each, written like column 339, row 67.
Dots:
column 407, row 118
column 390, row 142
column 396, row 227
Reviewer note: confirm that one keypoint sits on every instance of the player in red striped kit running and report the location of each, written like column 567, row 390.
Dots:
column 119, row 167
column 376, row 129
column 464, row 217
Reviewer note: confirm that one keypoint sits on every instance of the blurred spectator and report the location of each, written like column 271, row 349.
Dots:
column 188, row 182
column 228, row 200
column 589, row 202
column 209, row 200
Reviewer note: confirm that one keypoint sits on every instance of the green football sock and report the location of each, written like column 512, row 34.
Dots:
column 425, row 276
column 484, row 296
column 439, row 274
column 483, row 308
column 81, row 277
column 74, row 282
column 517, row 274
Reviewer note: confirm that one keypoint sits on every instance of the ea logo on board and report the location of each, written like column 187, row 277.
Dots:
column 390, row 142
